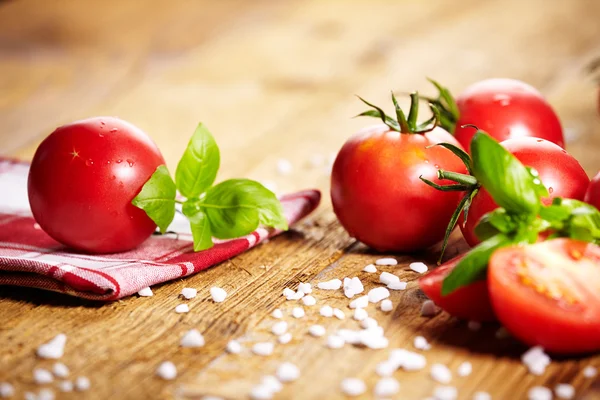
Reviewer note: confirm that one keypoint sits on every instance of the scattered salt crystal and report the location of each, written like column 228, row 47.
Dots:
column 284, row 167
column 145, row 292
column 350, row 336
column 360, row 302
column 428, row 308
column 440, row 373
column 474, row 325
column 212, row 398
column 218, row 294
column 277, row 313
column 502, row 333
column 298, row 312
column 387, row 387
column 261, row 392
column 445, row 393
column 421, row 343
column 189, row 293
column 182, row 308
column 333, row 284
column 335, row 342
column 294, row 295
column 272, row 383
column 482, row 396
column 377, row 294
column 234, row 347
column 353, row 387
column 373, row 339
column 539, row 393
column 167, row 371
column 590, row 372
column 54, row 349
column 30, row 396
column 386, row 368
column 82, row 383
column 360, row 314
column 65, row 386
column 60, row 370
column 465, row 369
column 352, row 287
column 370, row 269
column 42, row 376
column 326, row 311
column 408, row 360
column 386, row 278
column 386, row 261
column 397, row 286
column 368, row 323
column 285, row 338
column 45, row 394
column 317, row 330
column 339, row 314
column 418, row 267
column 564, row 391
column 386, row 305
column 287, row 372
column 535, row 360
column 287, row 293
column 6, row 390
column 309, row 300
column 192, row 338
column 305, row 288
column 263, row 349
column 279, row 328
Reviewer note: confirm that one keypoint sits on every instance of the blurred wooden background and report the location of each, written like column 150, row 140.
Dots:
column 272, row 80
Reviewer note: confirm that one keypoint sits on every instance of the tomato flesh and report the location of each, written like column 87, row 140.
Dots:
column 548, row 294
column 82, row 180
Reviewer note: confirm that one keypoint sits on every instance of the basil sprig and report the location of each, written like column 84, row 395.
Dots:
column 230, row 209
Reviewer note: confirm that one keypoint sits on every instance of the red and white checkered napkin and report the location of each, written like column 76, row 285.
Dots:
column 29, row 257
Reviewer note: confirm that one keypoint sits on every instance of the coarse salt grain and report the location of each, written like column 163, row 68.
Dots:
column 386, row 261
column 284, row 167
column 474, row 325
column 272, row 383
column 482, row 396
column 305, row 288
column 564, row 391
column 182, row 308
column 6, row 390
column 212, row 398
column 333, row 284
column 82, row 383
column 218, row 294
column 60, row 370
column 360, row 302
column 277, row 313
column 54, row 349
column 386, row 305
column 234, row 347
column 285, row 338
column 335, row 342
column 42, row 376
column 287, row 293
column 65, row 386
column 536, row 360
column 317, row 330
column 377, row 294
column 386, row 278
column 261, row 392
column 445, row 393
column 189, row 293
column 279, row 328
column 353, row 387
column 397, row 286
column 309, row 301
column 192, row 338
column 371, row 269
column 386, row 387
column 45, row 394
column 145, row 292
column 298, row 312
column 339, row 314
column 418, row 267
column 465, row 369
column 368, row 323
column 263, row 348
column 386, row 368
column 287, row 372
column 408, row 360
column 30, row 396
column 373, row 339
column 167, row 371
column 428, row 308
column 326, row 311
column 421, row 343
column 590, row 372
column 539, row 393
column 352, row 287
column 360, row 314
column 440, row 373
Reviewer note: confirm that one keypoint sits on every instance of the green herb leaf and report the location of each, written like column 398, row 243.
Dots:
column 474, row 264
column 510, row 183
column 237, row 206
column 157, row 198
column 574, row 219
column 199, row 164
column 200, row 226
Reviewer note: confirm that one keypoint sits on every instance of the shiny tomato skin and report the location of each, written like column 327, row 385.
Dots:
column 470, row 302
column 82, row 180
column 560, row 172
column 592, row 195
column 547, row 294
column 506, row 108
column 377, row 194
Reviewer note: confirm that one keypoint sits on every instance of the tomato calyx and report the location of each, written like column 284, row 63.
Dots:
column 403, row 123
column 446, row 105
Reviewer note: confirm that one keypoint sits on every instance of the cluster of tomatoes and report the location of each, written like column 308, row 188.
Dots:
column 380, row 199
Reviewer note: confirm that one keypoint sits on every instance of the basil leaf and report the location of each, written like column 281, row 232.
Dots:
column 574, row 219
column 200, row 226
column 199, row 164
column 157, row 198
column 510, row 183
column 237, row 206
column 474, row 264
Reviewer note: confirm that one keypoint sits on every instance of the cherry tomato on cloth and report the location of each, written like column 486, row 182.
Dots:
column 470, row 302
column 560, row 172
column 547, row 294
column 82, row 180
column 377, row 194
column 592, row 196
column 506, row 108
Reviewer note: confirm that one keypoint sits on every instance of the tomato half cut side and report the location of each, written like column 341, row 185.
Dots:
column 471, row 302
column 548, row 294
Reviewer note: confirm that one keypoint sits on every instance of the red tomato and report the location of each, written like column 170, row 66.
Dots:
column 506, row 108
column 377, row 194
column 469, row 302
column 560, row 172
column 82, row 180
column 548, row 294
column 592, row 196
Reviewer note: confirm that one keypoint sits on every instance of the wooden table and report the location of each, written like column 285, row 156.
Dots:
column 272, row 80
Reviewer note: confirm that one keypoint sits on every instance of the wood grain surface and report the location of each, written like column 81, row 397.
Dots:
column 272, row 80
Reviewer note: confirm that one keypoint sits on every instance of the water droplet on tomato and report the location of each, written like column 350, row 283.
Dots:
column 89, row 162
column 130, row 162
column 539, row 140
column 120, row 183
column 564, row 151
column 436, row 166
column 108, row 161
column 502, row 99
column 550, row 190
column 119, row 161
column 113, row 177
column 100, row 135
column 426, row 161
column 114, row 130
column 102, row 123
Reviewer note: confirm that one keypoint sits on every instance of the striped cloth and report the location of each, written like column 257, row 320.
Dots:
column 29, row 257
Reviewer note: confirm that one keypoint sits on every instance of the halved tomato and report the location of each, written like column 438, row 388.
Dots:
column 471, row 302
column 548, row 294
